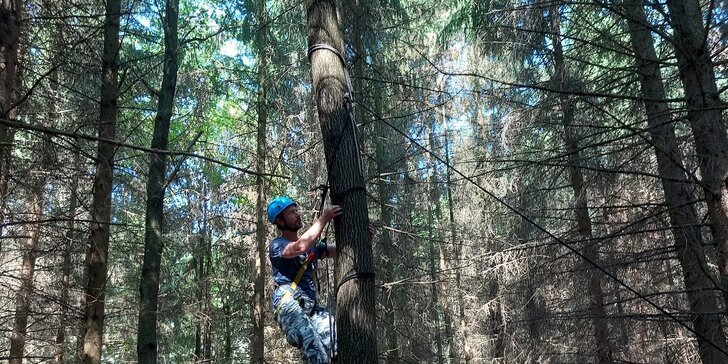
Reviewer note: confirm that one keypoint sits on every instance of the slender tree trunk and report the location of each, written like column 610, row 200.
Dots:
column 709, row 130
column 677, row 188
column 150, row 279
column 258, row 303
column 30, row 252
column 27, row 270
column 66, row 265
column 355, row 314
column 97, row 257
column 584, row 225
column 203, row 263
column 464, row 345
column 435, row 260
column 54, row 105
column 445, row 254
column 385, row 181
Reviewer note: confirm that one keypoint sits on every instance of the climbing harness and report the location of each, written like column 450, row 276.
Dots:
column 309, row 257
column 289, row 292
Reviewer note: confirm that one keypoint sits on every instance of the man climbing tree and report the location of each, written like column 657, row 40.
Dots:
column 306, row 324
column 354, row 268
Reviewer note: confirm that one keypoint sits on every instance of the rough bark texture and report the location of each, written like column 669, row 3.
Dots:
column 584, row 226
column 10, row 19
column 96, row 259
column 677, row 188
column 258, row 306
column 704, row 113
column 154, row 221
column 355, row 315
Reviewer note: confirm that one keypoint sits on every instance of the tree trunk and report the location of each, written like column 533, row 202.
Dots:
column 156, row 185
column 464, row 346
column 355, row 315
column 203, row 262
column 584, row 225
column 96, row 259
column 10, row 19
column 30, row 252
column 54, row 106
column 66, row 265
column 258, row 302
column 709, row 131
column 677, row 189
column 435, row 260
column 385, row 181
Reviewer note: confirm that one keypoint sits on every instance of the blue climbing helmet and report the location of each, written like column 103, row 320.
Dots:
column 277, row 205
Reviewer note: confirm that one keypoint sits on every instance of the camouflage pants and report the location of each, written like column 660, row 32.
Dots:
column 307, row 327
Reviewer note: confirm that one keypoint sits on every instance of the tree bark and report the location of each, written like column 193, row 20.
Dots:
column 677, row 188
column 66, row 265
column 584, row 225
column 156, row 185
column 386, row 191
column 97, row 257
column 355, row 315
column 464, row 346
column 704, row 113
column 10, row 20
column 55, row 104
column 30, row 253
column 258, row 302
column 203, row 261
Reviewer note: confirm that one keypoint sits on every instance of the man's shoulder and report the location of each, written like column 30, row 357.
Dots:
column 279, row 240
column 279, row 243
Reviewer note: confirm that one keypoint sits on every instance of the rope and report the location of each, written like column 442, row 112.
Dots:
column 350, row 276
column 349, row 102
column 548, row 233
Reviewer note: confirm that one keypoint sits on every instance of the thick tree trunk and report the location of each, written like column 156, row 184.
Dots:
column 10, row 19
column 258, row 305
column 156, row 185
column 355, row 315
column 97, row 257
column 704, row 113
column 677, row 188
column 583, row 220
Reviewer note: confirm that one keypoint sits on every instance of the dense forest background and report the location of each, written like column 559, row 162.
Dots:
column 548, row 178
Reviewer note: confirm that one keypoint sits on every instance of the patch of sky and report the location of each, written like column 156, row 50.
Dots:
column 234, row 48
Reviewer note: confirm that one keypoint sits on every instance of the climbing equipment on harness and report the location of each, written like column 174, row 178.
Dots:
column 294, row 284
column 285, row 202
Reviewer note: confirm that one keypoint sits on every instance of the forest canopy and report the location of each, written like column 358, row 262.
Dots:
column 548, row 179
